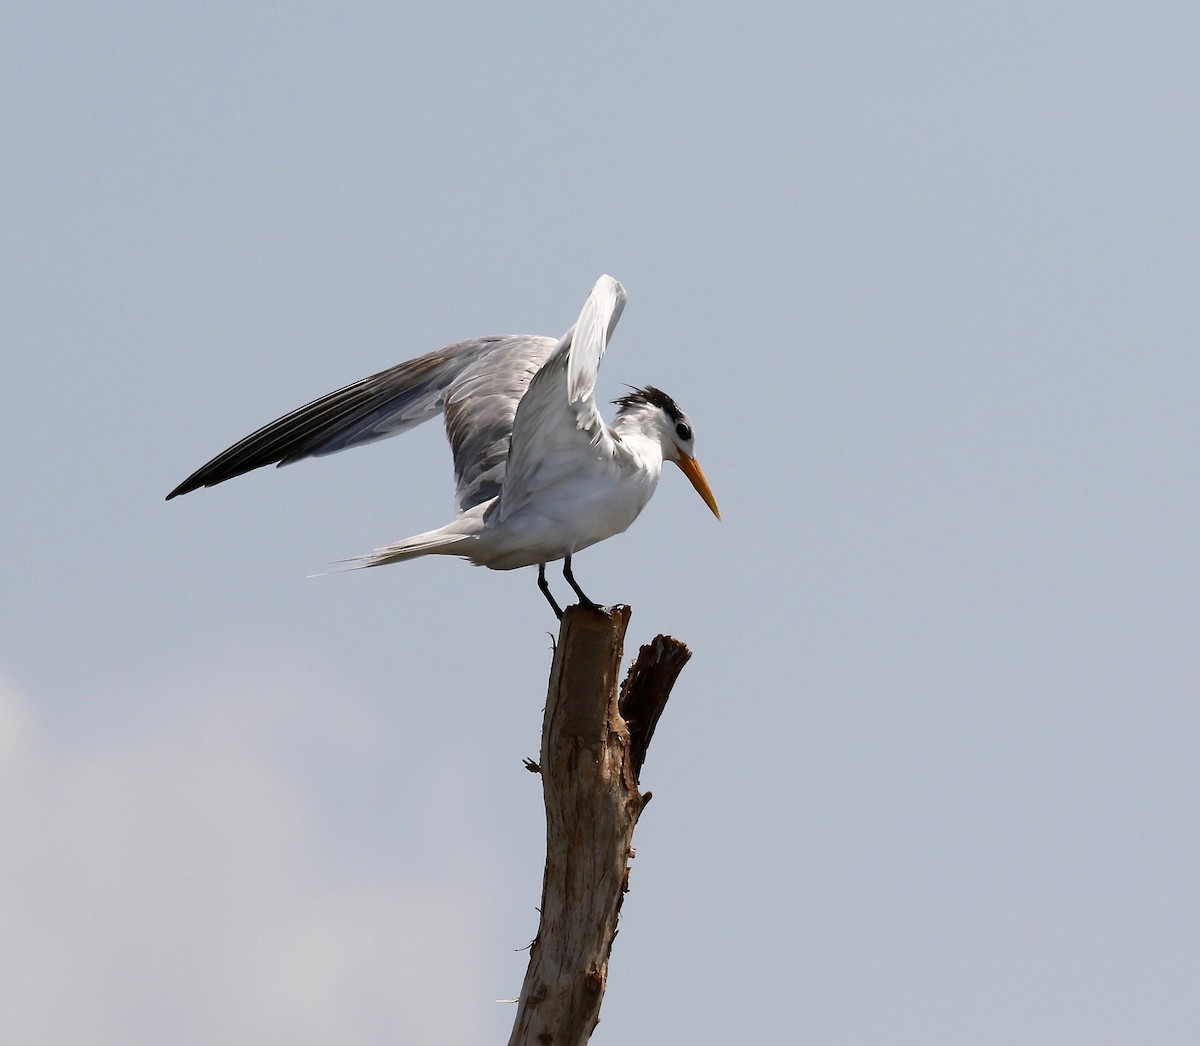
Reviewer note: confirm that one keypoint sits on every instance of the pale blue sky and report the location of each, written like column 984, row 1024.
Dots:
column 924, row 277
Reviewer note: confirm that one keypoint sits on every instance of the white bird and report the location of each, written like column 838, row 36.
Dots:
column 539, row 473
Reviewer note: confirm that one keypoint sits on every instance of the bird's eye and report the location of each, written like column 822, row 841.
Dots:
column 683, row 432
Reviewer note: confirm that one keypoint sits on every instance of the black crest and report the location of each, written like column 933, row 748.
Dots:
column 650, row 396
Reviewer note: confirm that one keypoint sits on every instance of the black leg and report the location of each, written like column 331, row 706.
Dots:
column 572, row 582
column 545, row 587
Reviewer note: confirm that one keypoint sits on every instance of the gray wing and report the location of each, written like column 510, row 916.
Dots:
column 558, row 418
column 481, row 405
column 382, row 405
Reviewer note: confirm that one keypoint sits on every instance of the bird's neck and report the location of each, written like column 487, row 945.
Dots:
column 638, row 441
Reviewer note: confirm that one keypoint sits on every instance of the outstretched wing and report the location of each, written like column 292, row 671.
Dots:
column 480, row 407
column 557, row 418
column 382, row 405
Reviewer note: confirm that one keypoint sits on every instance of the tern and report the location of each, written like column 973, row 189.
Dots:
column 540, row 475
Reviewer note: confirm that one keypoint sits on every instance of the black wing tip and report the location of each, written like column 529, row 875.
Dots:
column 210, row 477
column 186, row 487
column 207, row 478
column 650, row 396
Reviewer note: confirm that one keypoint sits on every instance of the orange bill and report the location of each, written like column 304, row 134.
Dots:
column 691, row 468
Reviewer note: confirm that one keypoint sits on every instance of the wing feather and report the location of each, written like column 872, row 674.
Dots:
column 378, row 406
column 557, row 418
column 590, row 335
column 510, row 403
column 480, row 407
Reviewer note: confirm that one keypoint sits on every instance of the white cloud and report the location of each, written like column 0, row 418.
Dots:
column 173, row 891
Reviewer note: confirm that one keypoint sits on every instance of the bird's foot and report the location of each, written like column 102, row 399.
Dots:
column 606, row 611
column 583, row 599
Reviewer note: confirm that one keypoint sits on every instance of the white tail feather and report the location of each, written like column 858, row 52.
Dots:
column 435, row 543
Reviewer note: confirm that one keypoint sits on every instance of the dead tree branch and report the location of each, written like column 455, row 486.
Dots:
column 593, row 747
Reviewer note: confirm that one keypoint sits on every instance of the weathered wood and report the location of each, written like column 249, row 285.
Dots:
column 589, row 765
column 645, row 691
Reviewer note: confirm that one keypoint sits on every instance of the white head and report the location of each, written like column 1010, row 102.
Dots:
column 659, row 415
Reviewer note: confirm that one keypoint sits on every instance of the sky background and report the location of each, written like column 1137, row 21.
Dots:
column 925, row 278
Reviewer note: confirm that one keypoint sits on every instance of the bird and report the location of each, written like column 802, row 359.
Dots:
column 539, row 473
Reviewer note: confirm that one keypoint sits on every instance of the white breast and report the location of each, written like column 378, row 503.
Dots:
column 592, row 501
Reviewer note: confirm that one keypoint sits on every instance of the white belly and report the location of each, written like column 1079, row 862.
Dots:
column 568, row 516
